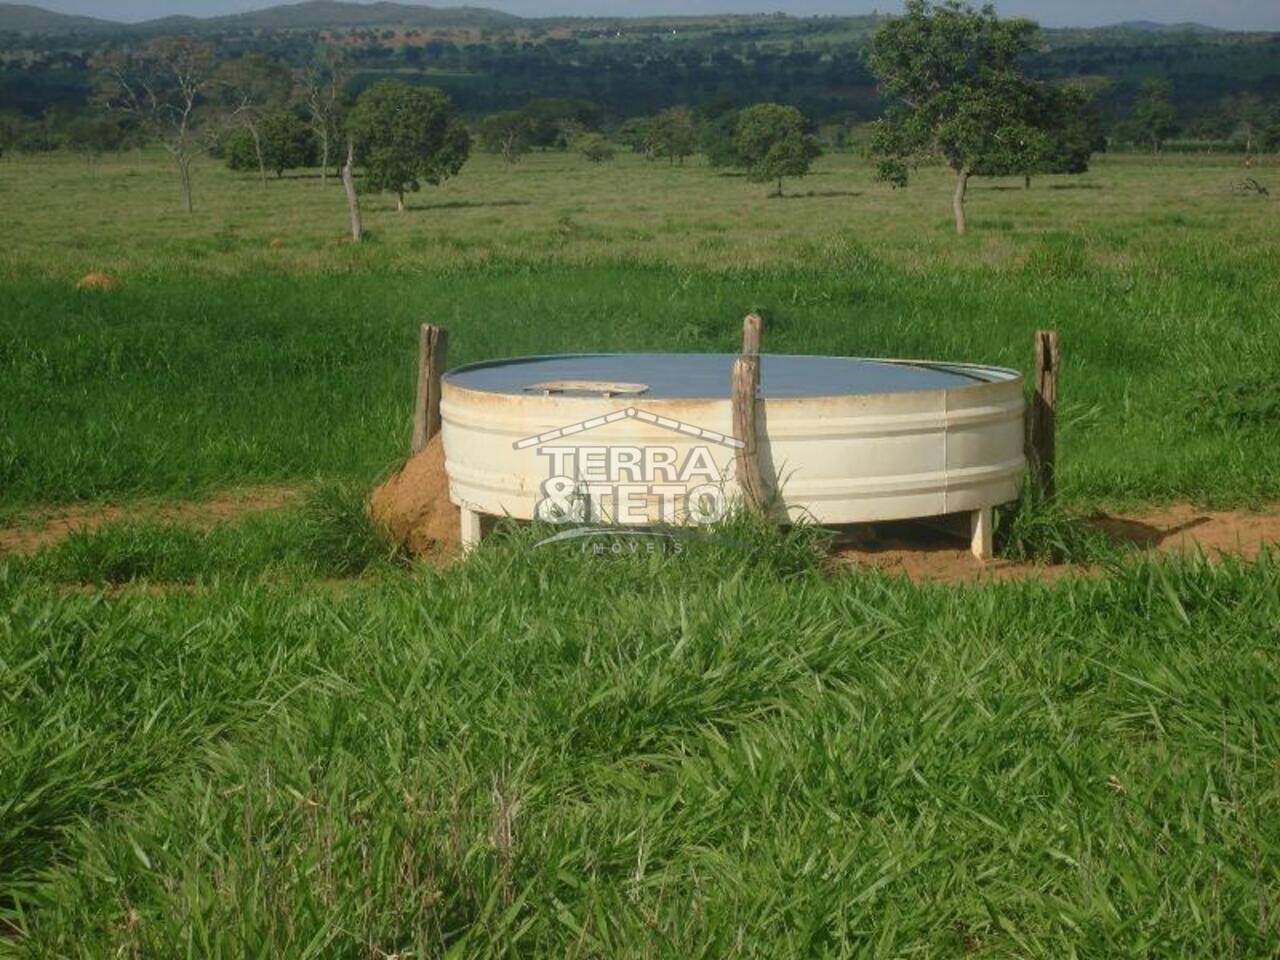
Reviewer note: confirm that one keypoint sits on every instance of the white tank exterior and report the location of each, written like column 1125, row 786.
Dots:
column 840, row 458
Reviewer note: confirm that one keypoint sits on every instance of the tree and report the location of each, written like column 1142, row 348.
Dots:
column 716, row 142
column 41, row 135
column 558, row 123
column 1246, row 116
column 253, row 89
column 594, row 147
column 163, row 86
column 674, row 133
column 954, row 82
column 10, row 131
column 322, row 82
column 406, row 135
column 506, row 134
column 94, row 135
column 1154, row 118
column 772, row 143
column 283, row 143
column 1269, row 135
column 639, row 135
column 1061, row 137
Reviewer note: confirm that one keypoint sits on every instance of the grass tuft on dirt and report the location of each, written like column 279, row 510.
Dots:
column 1033, row 530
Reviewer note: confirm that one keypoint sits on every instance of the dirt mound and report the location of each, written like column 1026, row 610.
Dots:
column 98, row 281
column 414, row 508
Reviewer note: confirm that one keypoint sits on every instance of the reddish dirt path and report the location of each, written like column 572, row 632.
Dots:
column 920, row 552
column 925, row 554
column 42, row 527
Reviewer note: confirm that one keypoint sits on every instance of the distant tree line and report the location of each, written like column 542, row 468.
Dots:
column 819, row 66
column 1246, row 123
column 953, row 80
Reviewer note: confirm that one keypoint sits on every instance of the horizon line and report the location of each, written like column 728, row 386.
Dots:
column 480, row 7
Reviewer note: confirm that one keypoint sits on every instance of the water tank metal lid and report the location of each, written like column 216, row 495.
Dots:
column 687, row 376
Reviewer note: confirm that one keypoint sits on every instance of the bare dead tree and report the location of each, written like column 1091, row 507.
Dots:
column 163, row 86
column 253, row 87
column 322, row 82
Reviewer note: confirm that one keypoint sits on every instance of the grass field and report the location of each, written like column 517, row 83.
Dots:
column 228, row 360
column 274, row 737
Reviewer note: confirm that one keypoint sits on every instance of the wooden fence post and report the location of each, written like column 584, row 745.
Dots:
column 1042, row 428
column 353, row 198
column 745, row 393
column 752, row 327
column 433, row 351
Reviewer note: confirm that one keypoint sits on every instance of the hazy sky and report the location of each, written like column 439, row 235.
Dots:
column 1233, row 14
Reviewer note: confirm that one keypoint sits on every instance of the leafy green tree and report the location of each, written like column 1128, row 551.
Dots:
column 595, row 147
column 1246, row 117
column 715, row 140
column 558, row 123
column 1074, row 128
column 772, row 142
column 952, row 75
column 405, row 136
column 40, row 135
column 10, row 131
column 674, row 133
column 284, row 143
column 93, row 136
column 568, row 132
column 1269, row 135
column 639, row 135
column 506, row 134
column 1154, row 117
column 1061, row 136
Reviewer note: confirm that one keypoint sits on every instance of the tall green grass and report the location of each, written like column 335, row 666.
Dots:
column 546, row 753
column 184, row 384
column 330, row 534
column 246, row 345
column 706, row 751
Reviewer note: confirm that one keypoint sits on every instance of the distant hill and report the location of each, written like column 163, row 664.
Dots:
column 336, row 14
column 1151, row 26
column 319, row 14
column 309, row 15
column 22, row 18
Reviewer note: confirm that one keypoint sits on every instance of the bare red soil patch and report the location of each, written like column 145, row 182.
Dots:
column 47, row 526
column 929, row 553
column 413, row 507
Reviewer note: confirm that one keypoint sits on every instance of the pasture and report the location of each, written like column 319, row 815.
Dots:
column 272, row 735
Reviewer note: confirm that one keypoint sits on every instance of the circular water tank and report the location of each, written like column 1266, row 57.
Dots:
column 643, row 438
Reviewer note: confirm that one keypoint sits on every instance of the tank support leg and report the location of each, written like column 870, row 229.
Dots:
column 982, row 525
column 470, row 529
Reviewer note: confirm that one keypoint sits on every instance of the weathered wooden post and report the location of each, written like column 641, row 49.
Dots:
column 1042, row 422
column 745, row 398
column 353, row 199
column 752, row 327
column 433, row 350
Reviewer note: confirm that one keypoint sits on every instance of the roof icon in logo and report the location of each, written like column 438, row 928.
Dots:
column 631, row 413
